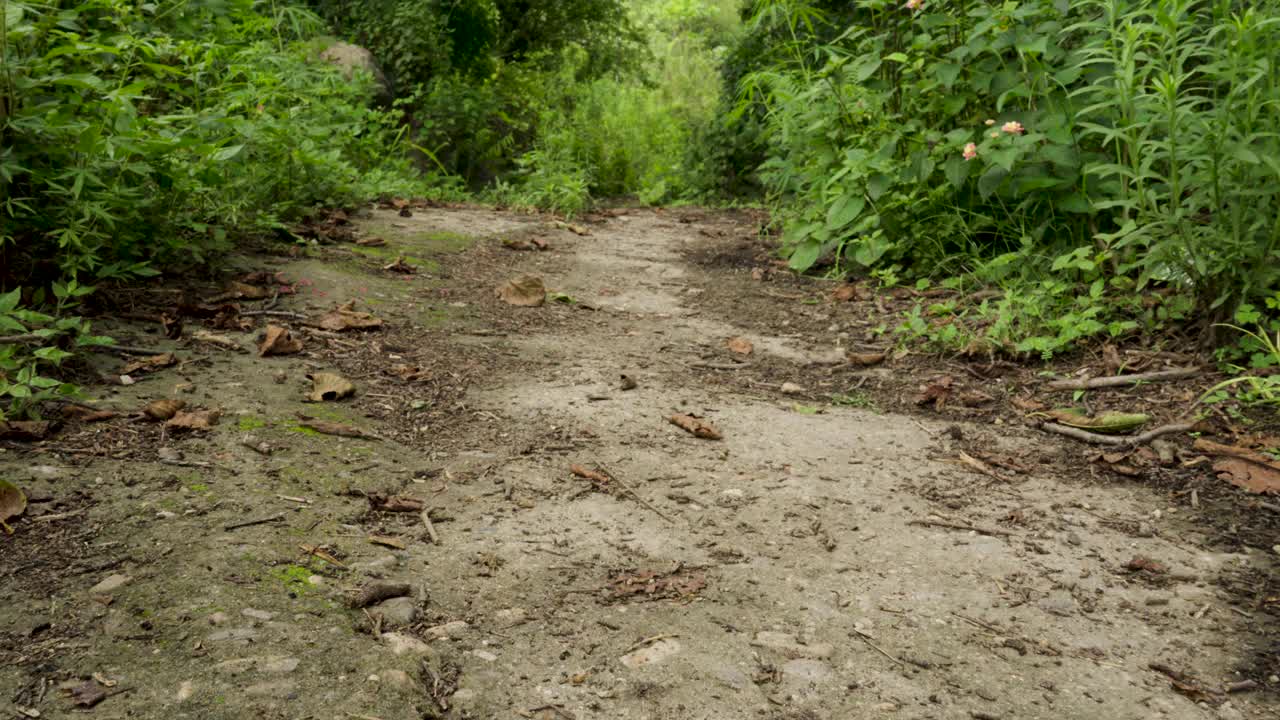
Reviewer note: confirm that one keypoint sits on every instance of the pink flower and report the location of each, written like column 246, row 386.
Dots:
column 914, row 5
column 990, row 122
column 995, row 134
column 1013, row 127
column 970, row 151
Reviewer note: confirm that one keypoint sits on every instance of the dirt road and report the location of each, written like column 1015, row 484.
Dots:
column 824, row 559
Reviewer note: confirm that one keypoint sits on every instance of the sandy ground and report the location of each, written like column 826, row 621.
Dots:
column 819, row 561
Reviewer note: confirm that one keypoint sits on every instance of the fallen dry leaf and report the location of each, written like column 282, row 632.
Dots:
column 650, row 585
column 221, row 341
column 597, row 478
column 194, row 420
column 865, row 359
column 394, row 503
column 400, row 266
column 524, row 291
column 1027, row 404
column 12, row 504
column 264, row 277
column 1248, row 469
column 163, row 409
column 327, row 387
column 740, row 345
column 145, row 365
column 696, row 426
column 846, row 293
column 387, row 541
column 938, row 391
column 411, row 373
column 1141, row 563
column 245, row 291
column 279, row 341
column 81, row 413
column 346, row 317
column 24, row 430
column 333, row 428
column 87, row 694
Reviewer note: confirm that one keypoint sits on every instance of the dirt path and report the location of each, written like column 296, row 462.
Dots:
column 808, row 565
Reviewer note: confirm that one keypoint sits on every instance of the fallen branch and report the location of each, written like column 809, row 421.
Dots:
column 250, row 523
column 1129, row 441
column 19, row 339
column 431, row 528
column 961, row 526
column 1122, row 380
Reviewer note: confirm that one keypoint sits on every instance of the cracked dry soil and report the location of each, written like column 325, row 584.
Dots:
column 807, row 565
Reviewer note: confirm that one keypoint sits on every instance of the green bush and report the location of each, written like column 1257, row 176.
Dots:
column 1095, row 149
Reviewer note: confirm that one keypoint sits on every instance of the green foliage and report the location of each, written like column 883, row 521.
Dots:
column 34, row 343
column 1261, row 389
column 1076, row 154
column 135, row 135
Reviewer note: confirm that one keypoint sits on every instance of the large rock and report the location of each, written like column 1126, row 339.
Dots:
column 350, row 58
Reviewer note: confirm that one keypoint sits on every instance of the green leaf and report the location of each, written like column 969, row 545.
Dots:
column 805, row 255
column 226, row 153
column 991, row 180
column 9, row 301
column 947, row 73
column 878, row 184
column 897, row 57
column 957, row 170
column 844, row 210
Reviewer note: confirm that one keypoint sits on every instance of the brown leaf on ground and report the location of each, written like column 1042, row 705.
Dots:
column 245, row 291
column 740, row 346
column 528, row 244
column 866, row 359
column 12, row 502
column 411, row 373
column 24, row 430
column 346, row 317
column 649, row 585
column 80, row 413
column 279, row 341
column 148, row 364
column 1141, row 563
column 1027, row 404
column 1248, row 469
column 973, row 398
column 333, row 428
column 847, row 293
column 696, row 426
column 194, row 420
column 328, row 387
column 524, row 291
column 221, row 341
column 596, row 477
column 163, row 409
column 87, row 694
column 400, row 266
column 937, row 391
column 263, row 277
column 394, row 503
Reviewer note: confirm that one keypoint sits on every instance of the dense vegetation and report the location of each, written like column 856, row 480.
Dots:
column 1110, row 167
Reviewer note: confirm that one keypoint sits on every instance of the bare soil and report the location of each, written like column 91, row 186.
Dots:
column 832, row 556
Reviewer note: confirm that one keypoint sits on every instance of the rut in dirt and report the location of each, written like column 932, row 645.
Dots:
column 604, row 505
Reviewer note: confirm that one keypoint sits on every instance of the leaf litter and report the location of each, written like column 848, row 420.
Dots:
column 278, row 341
column 696, row 426
column 346, row 317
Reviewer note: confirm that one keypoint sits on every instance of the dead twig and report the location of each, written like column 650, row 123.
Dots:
column 627, row 488
column 250, row 523
column 431, row 528
column 649, row 641
column 273, row 313
column 1122, row 380
column 1130, row 441
column 961, row 526
column 867, row 639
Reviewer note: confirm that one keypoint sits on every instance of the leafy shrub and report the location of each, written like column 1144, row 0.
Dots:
column 1092, row 149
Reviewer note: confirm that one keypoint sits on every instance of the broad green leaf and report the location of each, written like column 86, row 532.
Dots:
column 957, row 170
column 226, row 153
column 805, row 255
column 947, row 73
column 878, row 184
column 844, row 210
column 991, row 180
column 9, row 300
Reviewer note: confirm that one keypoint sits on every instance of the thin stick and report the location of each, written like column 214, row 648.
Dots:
column 1122, row 380
column 719, row 366
column 259, row 521
column 867, row 639
column 649, row 641
column 59, row 516
column 273, row 313
column 637, row 497
column 124, row 350
column 1096, row 439
column 19, row 339
column 961, row 526
column 431, row 528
